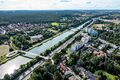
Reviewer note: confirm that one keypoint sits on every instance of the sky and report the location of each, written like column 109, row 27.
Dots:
column 58, row 4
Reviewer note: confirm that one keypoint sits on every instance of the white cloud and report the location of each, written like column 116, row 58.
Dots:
column 65, row 0
column 58, row 4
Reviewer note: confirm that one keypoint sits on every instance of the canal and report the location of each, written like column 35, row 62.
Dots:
column 15, row 63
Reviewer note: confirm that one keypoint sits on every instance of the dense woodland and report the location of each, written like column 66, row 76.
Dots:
column 33, row 16
column 7, row 17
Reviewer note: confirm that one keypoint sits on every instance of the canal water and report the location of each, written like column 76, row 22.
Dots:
column 40, row 49
column 15, row 63
column 10, row 66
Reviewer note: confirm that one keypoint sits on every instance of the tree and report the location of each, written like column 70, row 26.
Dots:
column 102, row 76
column 57, row 57
column 80, row 62
column 63, row 51
column 48, row 76
column 52, row 68
column 47, row 52
column 1, row 42
column 58, row 76
column 110, row 67
column 7, row 77
column 71, row 62
column 35, row 76
column 73, row 59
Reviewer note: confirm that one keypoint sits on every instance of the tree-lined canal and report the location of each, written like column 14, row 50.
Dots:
column 15, row 63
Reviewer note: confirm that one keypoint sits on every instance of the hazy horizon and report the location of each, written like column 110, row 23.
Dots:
column 60, row 5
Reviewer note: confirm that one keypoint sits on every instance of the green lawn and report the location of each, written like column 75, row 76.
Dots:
column 12, row 44
column 54, row 31
column 55, row 24
column 109, row 76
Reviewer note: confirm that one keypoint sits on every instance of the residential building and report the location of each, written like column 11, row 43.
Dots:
column 67, row 72
column 91, row 32
column 63, row 68
column 36, row 38
column 2, row 31
column 85, row 39
column 99, row 53
column 77, row 46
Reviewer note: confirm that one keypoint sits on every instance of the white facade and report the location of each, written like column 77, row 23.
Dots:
column 76, row 47
column 85, row 39
column 36, row 38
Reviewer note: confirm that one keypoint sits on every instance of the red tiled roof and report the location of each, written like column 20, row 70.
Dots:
column 100, row 53
column 63, row 68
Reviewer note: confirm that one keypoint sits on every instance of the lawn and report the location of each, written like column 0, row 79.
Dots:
column 109, row 76
column 55, row 24
column 51, row 30
column 4, row 49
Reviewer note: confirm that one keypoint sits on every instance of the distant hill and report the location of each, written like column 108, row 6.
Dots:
column 32, row 16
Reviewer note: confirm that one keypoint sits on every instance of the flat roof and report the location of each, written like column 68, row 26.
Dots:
column 37, row 36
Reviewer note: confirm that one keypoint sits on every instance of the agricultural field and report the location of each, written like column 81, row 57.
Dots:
column 113, row 21
column 98, row 26
column 4, row 50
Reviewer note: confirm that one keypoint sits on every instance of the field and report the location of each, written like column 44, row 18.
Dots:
column 114, row 21
column 98, row 26
column 4, row 49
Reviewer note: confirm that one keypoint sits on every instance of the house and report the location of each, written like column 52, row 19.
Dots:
column 110, row 50
column 4, row 50
column 99, row 53
column 101, row 46
column 69, row 75
column 85, row 73
column 67, row 72
column 2, row 31
column 63, row 68
column 36, row 38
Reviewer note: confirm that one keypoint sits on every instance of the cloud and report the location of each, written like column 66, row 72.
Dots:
column 88, row 2
column 1, row 1
column 58, row 4
column 65, row 0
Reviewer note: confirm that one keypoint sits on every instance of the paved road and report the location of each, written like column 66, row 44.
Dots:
column 26, row 74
